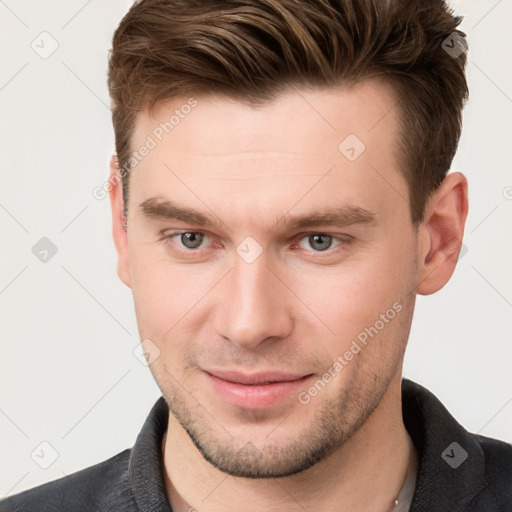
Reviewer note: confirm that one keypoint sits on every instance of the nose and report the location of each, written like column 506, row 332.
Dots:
column 254, row 305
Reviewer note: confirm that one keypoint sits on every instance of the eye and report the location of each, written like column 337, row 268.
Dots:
column 318, row 242
column 189, row 239
column 192, row 239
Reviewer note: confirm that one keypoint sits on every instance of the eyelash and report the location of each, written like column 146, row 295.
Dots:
column 341, row 242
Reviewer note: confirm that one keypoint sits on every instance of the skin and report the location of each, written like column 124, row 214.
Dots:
column 295, row 308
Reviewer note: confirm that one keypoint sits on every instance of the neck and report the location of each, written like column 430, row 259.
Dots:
column 365, row 474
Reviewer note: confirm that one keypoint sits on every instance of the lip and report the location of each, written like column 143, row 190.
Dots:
column 256, row 390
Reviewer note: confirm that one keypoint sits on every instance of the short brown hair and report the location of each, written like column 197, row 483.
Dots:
column 251, row 50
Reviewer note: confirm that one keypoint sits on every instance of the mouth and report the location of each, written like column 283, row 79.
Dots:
column 257, row 390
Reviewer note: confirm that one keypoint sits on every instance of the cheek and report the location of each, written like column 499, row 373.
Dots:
column 341, row 304
column 174, row 303
column 166, row 300
column 163, row 292
column 344, row 301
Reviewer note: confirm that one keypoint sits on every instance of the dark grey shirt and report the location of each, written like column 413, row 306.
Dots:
column 458, row 471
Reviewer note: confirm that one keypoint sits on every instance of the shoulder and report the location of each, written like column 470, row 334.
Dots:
column 104, row 486
column 497, row 456
column 469, row 472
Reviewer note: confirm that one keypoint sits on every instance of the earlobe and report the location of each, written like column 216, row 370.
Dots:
column 441, row 233
column 118, row 222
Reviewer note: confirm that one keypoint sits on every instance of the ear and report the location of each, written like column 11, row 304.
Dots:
column 440, row 234
column 118, row 221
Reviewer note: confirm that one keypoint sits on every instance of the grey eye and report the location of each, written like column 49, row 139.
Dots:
column 191, row 239
column 320, row 242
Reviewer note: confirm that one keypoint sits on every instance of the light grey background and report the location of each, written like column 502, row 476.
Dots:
column 68, row 373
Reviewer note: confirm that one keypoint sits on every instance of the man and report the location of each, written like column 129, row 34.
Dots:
column 280, row 196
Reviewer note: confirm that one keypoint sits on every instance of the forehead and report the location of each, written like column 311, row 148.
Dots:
column 298, row 118
column 344, row 137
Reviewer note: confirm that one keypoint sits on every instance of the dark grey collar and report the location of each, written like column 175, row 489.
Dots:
column 145, row 467
column 442, row 484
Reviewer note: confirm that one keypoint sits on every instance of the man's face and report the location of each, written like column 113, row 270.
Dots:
column 256, row 296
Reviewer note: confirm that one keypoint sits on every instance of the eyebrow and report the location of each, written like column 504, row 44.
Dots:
column 169, row 210
column 343, row 216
